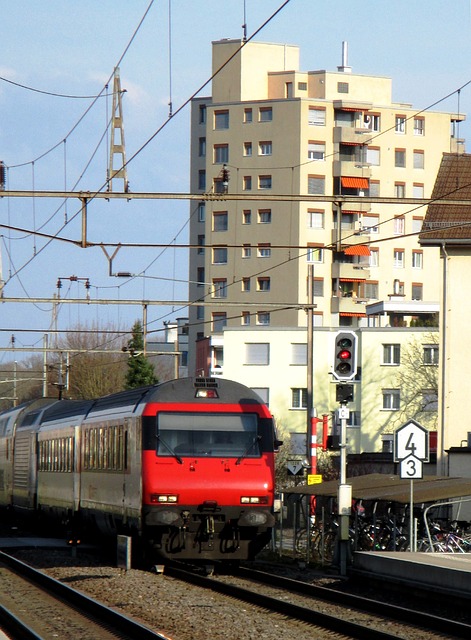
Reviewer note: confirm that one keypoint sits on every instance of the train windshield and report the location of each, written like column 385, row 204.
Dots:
column 208, row 434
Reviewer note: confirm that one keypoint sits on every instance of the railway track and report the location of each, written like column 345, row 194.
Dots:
column 36, row 606
column 351, row 616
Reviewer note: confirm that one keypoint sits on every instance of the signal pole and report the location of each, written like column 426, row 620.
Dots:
column 344, row 370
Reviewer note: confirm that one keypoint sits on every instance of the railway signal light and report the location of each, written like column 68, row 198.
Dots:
column 345, row 356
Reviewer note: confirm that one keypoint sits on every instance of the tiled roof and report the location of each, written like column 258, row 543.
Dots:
column 450, row 223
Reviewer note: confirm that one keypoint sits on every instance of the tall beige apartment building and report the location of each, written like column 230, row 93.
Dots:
column 298, row 168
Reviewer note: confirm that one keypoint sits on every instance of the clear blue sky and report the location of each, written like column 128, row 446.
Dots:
column 71, row 48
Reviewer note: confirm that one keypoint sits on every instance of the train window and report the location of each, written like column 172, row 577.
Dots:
column 104, row 448
column 57, row 454
column 208, row 434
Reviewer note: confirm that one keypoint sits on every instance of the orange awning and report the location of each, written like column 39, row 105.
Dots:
column 349, row 314
column 352, row 279
column 357, row 250
column 354, row 183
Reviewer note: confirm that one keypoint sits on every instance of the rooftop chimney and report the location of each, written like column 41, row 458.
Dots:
column 344, row 68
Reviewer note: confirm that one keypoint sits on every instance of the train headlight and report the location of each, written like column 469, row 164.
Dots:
column 254, row 519
column 168, row 519
column 165, row 498
column 206, row 393
column 254, row 500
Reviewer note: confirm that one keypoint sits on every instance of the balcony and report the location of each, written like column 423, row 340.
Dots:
column 349, row 305
column 351, row 135
column 350, row 270
column 350, row 236
column 352, row 168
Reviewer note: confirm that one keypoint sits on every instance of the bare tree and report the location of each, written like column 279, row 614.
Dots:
column 91, row 373
column 418, row 381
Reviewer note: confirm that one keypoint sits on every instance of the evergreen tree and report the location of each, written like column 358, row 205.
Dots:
column 140, row 371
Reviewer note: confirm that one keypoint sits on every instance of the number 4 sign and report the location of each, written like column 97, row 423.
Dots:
column 411, row 440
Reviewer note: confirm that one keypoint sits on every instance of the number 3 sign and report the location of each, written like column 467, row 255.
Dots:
column 411, row 448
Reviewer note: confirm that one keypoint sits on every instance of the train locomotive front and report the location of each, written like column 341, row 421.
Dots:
column 207, row 471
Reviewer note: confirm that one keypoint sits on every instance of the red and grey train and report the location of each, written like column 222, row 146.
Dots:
column 186, row 467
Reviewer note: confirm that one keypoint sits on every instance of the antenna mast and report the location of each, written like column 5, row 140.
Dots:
column 117, row 146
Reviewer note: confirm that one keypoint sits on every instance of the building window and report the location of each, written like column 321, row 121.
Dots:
column 315, row 253
column 202, row 114
column 220, row 255
column 369, row 223
column 431, row 353
column 264, row 216
column 418, row 159
column 399, row 190
column 373, row 156
column 391, row 354
column 299, row 398
column 263, row 284
column 417, row 259
column 342, row 87
column 263, row 393
column 200, row 276
column 302, row 86
column 399, row 225
column 245, row 318
column 221, row 153
column 371, row 290
column 400, row 158
column 246, row 251
column 264, row 148
column 264, row 182
column 199, row 312
column 201, row 241
column 202, row 179
column 372, row 121
column 201, row 212
column 417, row 190
column 316, row 116
column 219, row 321
column 264, row 250
column 245, row 284
column 315, row 219
column 248, row 116
column 219, row 186
column 318, row 288
column 316, row 185
column 263, row 318
column 419, row 126
column 391, row 399
column 417, row 224
column 265, row 114
column 220, row 221
column 374, row 188
column 398, row 259
column 202, row 147
column 220, row 288
column 429, row 400
column 257, row 353
column 247, row 183
column 247, row 149
column 246, row 216
column 298, row 353
column 316, row 150
column 400, row 124
column 374, row 257
column 221, row 119
column 417, row 291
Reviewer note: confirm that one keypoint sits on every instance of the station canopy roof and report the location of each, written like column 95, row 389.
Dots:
column 379, row 486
